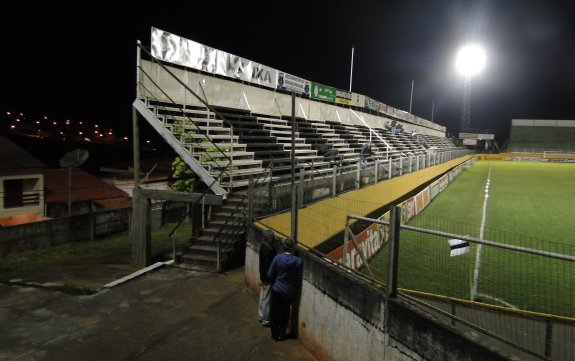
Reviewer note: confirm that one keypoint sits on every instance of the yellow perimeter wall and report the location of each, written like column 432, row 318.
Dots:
column 525, row 156
column 322, row 220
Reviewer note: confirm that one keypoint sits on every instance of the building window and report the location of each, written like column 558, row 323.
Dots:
column 13, row 193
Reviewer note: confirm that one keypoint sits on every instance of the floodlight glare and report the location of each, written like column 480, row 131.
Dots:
column 470, row 60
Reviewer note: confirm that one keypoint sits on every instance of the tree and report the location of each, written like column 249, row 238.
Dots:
column 183, row 175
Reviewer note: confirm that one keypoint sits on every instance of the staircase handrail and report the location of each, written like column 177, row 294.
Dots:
column 181, row 109
column 219, row 235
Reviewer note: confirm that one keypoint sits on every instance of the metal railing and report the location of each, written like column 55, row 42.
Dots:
column 225, row 169
column 319, row 182
column 532, row 335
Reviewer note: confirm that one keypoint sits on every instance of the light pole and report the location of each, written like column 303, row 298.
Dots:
column 470, row 61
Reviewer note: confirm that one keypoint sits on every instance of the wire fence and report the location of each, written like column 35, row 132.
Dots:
column 512, row 279
column 514, row 290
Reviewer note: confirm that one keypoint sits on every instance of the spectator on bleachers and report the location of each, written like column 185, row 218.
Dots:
column 393, row 127
column 328, row 152
column 365, row 153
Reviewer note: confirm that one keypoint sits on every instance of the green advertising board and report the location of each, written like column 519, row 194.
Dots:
column 322, row 92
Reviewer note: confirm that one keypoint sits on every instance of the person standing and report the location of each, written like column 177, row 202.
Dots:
column 285, row 276
column 267, row 253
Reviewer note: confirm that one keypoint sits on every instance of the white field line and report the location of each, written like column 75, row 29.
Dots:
column 479, row 248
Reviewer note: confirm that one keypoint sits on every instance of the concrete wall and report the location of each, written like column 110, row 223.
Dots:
column 344, row 317
column 231, row 94
column 56, row 232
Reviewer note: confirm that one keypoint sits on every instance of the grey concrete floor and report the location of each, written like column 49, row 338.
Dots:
column 166, row 314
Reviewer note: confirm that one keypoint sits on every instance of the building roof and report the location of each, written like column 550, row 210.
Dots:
column 15, row 160
column 84, row 187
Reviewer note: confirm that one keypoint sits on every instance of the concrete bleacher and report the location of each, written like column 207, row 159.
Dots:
column 251, row 142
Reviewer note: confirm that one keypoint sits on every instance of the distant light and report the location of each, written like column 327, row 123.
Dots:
column 96, row 125
column 18, row 119
column 147, row 141
column 80, row 133
column 12, row 126
column 96, row 132
column 8, row 113
column 37, row 122
column 54, row 123
column 109, row 133
column 80, row 123
column 87, row 139
column 46, row 118
column 125, row 138
column 470, row 60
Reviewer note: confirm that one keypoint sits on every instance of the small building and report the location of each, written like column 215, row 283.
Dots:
column 21, row 185
column 77, row 192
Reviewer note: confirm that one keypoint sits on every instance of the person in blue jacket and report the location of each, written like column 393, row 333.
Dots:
column 285, row 276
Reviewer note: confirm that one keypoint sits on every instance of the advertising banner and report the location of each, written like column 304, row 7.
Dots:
column 410, row 208
column 322, row 92
column 407, row 210
column 342, row 97
column 358, row 100
column 291, row 83
column 401, row 114
column 443, row 181
column 419, row 203
column 177, row 50
column 426, row 197
column 382, row 108
column 371, row 239
column 371, row 104
column 434, row 189
column 492, row 157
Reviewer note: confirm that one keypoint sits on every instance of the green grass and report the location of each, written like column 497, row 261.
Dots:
column 530, row 205
column 112, row 250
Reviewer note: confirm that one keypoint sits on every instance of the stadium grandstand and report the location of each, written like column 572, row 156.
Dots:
column 257, row 140
column 232, row 120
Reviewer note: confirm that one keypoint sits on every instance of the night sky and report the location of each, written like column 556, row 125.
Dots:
column 79, row 62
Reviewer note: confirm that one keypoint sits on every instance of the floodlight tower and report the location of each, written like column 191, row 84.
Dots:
column 470, row 61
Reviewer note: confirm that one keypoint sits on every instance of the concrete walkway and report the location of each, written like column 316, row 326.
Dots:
column 166, row 314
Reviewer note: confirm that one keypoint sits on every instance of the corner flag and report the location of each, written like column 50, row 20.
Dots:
column 458, row 247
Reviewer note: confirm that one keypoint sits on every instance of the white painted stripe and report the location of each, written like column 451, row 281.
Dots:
column 474, row 292
column 475, row 283
column 137, row 273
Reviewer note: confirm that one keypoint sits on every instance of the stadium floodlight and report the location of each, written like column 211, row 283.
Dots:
column 470, row 61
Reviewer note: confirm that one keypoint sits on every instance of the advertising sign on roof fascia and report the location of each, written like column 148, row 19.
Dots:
column 293, row 83
column 342, row 97
column 371, row 104
column 177, row 50
column 322, row 92
column 358, row 100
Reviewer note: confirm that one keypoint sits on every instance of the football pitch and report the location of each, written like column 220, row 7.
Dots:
column 529, row 204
